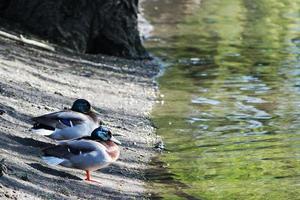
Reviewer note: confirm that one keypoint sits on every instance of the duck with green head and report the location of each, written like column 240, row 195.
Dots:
column 88, row 153
column 77, row 122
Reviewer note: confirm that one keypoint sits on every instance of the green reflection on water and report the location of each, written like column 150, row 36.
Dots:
column 229, row 114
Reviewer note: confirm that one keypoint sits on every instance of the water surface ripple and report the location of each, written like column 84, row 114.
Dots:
column 230, row 114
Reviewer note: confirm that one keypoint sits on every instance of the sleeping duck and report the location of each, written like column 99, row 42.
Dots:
column 88, row 153
column 77, row 122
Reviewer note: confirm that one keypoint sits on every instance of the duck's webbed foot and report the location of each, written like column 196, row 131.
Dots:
column 88, row 177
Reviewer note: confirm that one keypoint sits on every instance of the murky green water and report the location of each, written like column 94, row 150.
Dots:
column 230, row 114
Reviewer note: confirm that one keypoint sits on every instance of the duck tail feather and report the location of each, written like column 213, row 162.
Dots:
column 51, row 160
column 45, row 132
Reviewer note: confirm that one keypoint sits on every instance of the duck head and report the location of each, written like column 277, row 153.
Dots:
column 104, row 134
column 82, row 106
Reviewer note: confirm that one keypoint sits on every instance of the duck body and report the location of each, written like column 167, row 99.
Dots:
column 82, row 154
column 77, row 122
column 66, row 125
column 88, row 153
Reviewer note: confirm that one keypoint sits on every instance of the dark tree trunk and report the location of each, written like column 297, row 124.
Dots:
column 87, row 26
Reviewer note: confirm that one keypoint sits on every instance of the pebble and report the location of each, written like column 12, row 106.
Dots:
column 2, row 112
column 24, row 177
column 58, row 93
column 47, row 108
column 3, row 168
column 160, row 146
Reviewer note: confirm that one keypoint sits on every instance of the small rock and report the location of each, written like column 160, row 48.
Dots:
column 24, row 177
column 47, row 108
column 27, row 83
column 2, row 112
column 160, row 146
column 58, row 93
column 3, row 168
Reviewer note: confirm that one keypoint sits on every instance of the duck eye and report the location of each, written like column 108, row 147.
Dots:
column 109, row 134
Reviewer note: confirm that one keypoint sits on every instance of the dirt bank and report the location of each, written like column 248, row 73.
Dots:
column 34, row 82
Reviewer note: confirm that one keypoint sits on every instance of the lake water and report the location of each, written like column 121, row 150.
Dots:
column 229, row 112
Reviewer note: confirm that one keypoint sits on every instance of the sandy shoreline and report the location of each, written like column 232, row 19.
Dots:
column 34, row 82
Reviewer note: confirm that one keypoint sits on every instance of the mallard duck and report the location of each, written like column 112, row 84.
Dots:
column 77, row 122
column 88, row 153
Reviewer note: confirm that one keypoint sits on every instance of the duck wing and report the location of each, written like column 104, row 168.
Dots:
column 61, row 119
column 67, row 150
